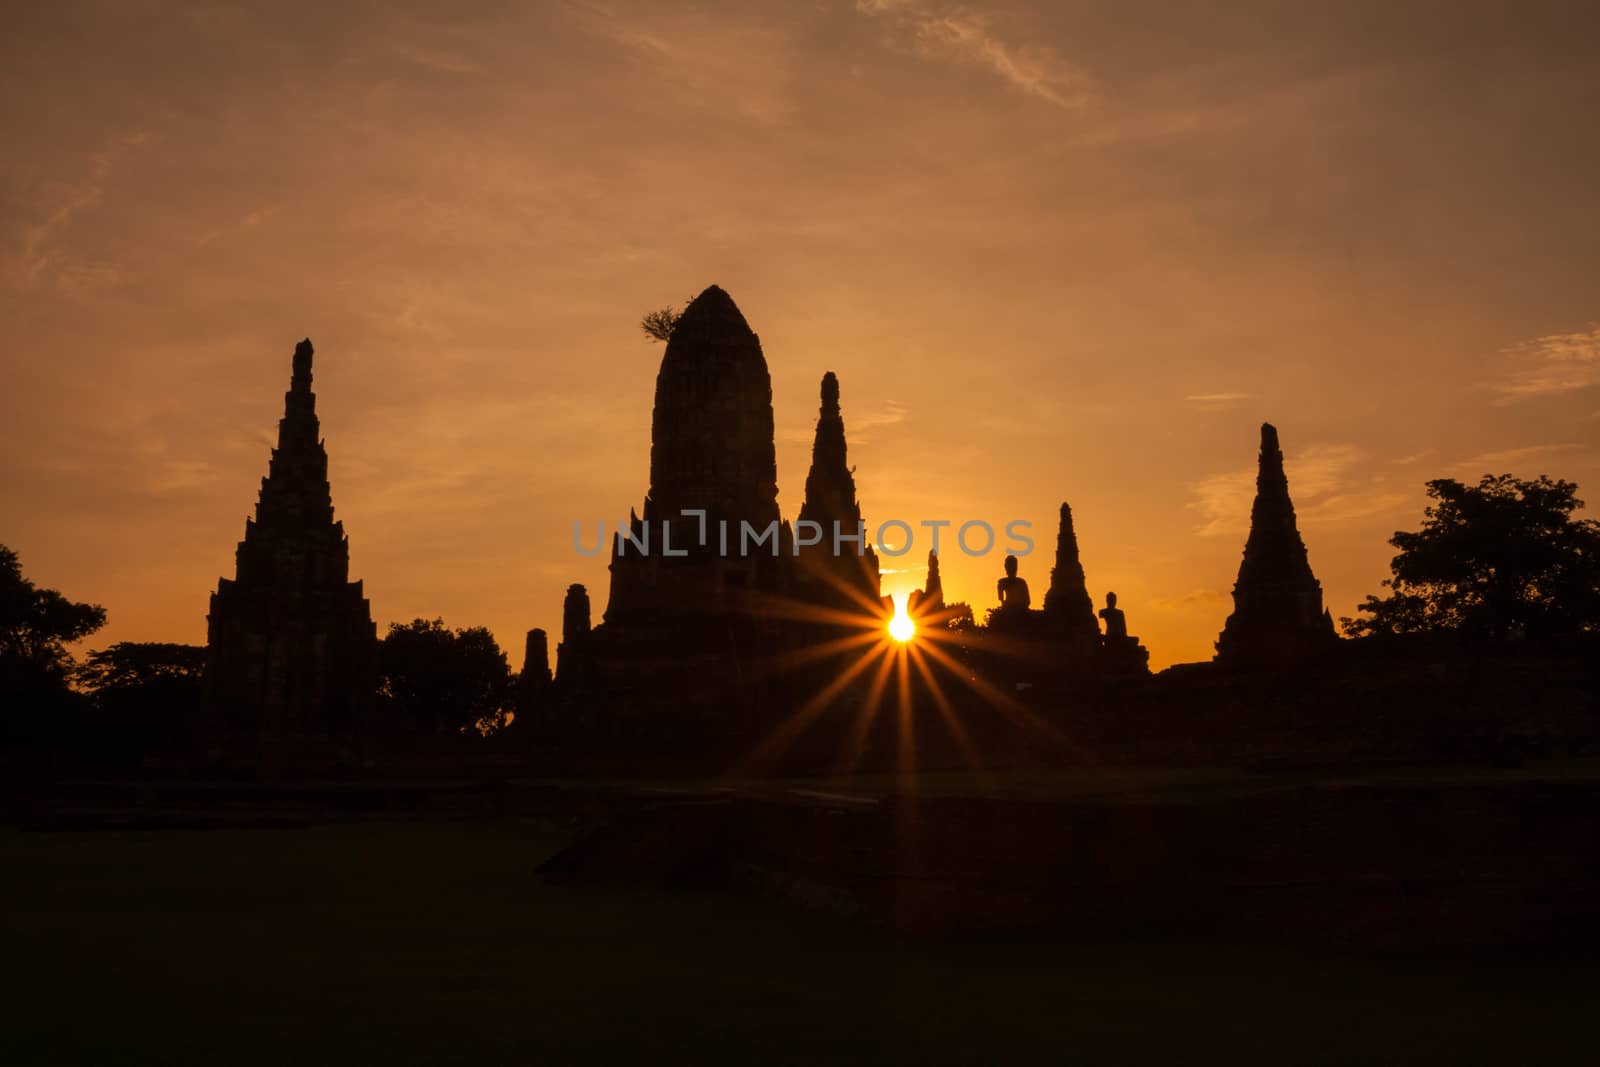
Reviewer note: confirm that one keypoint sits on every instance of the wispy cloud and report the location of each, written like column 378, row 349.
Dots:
column 1358, row 504
column 1502, row 460
column 856, row 427
column 1195, row 598
column 961, row 36
column 249, row 221
column 1557, row 363
column 1322, row 481
column 707, row 62
column 891, row 413
column 437, row 60
column 1219, row 398
column 44, row 253
column 1223, row 501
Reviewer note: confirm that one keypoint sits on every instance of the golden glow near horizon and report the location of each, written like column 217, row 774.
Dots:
column 901, row 628
column 1051, row 255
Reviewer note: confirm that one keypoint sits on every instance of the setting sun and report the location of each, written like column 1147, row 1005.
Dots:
column 901, row 628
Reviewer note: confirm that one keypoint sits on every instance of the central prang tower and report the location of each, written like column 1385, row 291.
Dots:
column 711, row 450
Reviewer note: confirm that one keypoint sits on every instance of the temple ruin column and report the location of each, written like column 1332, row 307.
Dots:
column 1277, row 601
column 291, row 645
column 1067, row 603
column 838, row 571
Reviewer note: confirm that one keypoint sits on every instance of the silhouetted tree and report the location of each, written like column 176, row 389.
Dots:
column 36, row 625
column 145, row 699
column 134, row 664
column 659, row 324
column 36, row 705
column 442, row 680
column 958, row 616
column 1502, row 558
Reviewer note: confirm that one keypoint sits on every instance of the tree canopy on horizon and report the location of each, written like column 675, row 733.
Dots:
column 1504, row 558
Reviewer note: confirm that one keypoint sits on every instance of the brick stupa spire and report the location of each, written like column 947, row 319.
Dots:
column 1067, row 604
column 831, row 504
column 1277, row 601
column 570, row 653
column 927, row 603
column 291, row 646
column 533, row 683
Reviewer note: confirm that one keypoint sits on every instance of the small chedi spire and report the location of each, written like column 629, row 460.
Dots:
column 533, row 684
column 1277, row 601
column 570, row 654
column 929, row 600
column 831, row 504
column 300, row 377
column 536, row 656
column 933, row 585
column 1067, row 603
column 291, row 646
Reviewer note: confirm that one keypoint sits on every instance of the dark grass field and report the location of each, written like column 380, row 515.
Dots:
column 437, row 943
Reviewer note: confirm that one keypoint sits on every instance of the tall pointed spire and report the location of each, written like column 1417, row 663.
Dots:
column 1277, row 601
column 831, row 504
column 1067, row 602
column 830, row 486
column 927, row 603
column 296, row 502
column 933, row 585
column 291, row 641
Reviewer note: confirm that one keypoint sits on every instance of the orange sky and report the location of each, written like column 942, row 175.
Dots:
column 1054, row 251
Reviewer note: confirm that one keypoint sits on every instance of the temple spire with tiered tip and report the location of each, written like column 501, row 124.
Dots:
column 830, row 485
column 933, row 585
column 1067, row 602
column 928, row 602
column 1277, row 601
column 830, row 502
column 291, row 640
column 295, row 509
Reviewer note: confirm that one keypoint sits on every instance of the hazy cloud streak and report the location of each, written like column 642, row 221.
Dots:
column 1321, row 482
column 964, row 37
column 1557, row 363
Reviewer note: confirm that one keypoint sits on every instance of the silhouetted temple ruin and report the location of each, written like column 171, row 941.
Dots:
column 575, row 632
column 291, row 646
column 711, row 453
column 533, row 683
column 927, row 604
column 1067, row 602
column 1277, row 601
column 698, row 578
column 840, row 566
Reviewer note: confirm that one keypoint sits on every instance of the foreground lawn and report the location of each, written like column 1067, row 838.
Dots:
column 436, row 943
